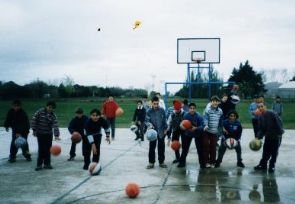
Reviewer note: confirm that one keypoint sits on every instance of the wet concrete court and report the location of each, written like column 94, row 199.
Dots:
column 124, row 161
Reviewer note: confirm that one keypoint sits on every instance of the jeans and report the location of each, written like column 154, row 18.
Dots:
column 112, row 123
column 86, row 149
column 44, row 145
column 209, row 141
column 222, row 150
column 270, row 151
column 161, row 150
column 13, row 149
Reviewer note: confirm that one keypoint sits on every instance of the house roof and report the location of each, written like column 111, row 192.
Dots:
column 272, row 85
column 288, row 85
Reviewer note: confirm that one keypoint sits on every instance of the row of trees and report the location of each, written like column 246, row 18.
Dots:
column 201, row 90
column 249, row 81
column 40, row 89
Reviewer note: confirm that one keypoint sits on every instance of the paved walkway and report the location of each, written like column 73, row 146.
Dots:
column 124, row 161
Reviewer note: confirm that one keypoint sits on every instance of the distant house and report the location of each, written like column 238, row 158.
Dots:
column 46, row 95
column 272, row 89
column 287, row 90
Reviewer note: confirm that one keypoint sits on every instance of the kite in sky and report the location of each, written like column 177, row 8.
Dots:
column 136, row 24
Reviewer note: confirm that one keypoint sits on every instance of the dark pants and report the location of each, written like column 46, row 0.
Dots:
column 222, row 150
column 161, row 150
column 112, row 123
column 44, row 145
column 186, row 142
column 255, row 126
column 73, row 150
column 175, row 136
column 86, row 149
column 209, row 141
column 13, row 149
column 270, row 151
column 140, row 132
column 73, row 146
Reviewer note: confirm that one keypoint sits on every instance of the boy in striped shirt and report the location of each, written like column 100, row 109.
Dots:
column 43, row 122
column 213, row 128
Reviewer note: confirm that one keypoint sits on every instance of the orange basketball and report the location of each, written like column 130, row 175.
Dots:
column 119, row 111
column 258, row 112
column 55, row 150
column 175, row 145
column 76, row 137
column 132, row 190
column 186, row 124
column 236, row 87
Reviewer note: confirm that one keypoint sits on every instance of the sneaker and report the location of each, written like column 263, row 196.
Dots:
column 38, row 168
column 212, row 165
column 271, row 170
column 48, row 167
column 11, row 160
column 97, row 173
column 259, row 167
column 150, row 166
column 217, row 165
column 208, row 165
column 163, row 165
column 175, row 161
column 241, row 164
column 71, row 159
column 181, row 165
column 136, row 138
column 202, row 166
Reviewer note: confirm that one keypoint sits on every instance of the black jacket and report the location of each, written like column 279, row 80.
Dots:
column 18, row 121
column 94, row 127
column 78, row 124
column 270, row 125
column 139, row 115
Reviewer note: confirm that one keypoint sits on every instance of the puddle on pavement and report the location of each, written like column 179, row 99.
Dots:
column 235, row 185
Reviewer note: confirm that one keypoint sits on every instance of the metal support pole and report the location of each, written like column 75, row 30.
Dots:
column 189, row 83
column 166, row 97
column 209, row 82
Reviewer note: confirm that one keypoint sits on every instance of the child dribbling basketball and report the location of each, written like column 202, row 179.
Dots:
column 93, row 128
column 232, row 128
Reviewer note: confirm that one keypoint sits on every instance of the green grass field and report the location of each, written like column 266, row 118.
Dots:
column 65, row 110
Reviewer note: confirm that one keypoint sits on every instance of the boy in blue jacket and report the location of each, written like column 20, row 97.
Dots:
column 93, row 128
column 195, row 132
column 232, row 128
column 156, row 119
column 77, row 125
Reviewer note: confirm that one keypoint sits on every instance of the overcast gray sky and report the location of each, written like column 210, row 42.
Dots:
column 51, row 39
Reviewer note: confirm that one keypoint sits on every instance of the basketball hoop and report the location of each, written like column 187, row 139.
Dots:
column 198, row 60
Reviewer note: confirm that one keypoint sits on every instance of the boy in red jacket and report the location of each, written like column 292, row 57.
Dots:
column 109, row 111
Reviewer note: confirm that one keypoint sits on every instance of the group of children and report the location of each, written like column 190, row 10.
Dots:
column 220, row 121
column 45, row 125
column 205, row 129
